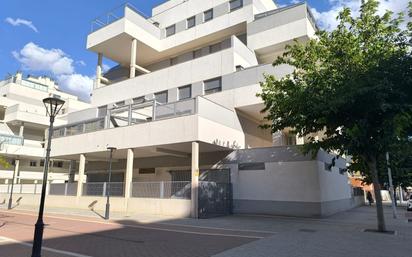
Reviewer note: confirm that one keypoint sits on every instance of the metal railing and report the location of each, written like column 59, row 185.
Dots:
column 114, row 15
column 11, row 139
column 63, row 189
column 101, row 189
column 128, row 115
column 162, row 189
column 21, row 188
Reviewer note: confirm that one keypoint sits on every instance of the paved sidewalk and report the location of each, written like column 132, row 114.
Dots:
column 340, row 235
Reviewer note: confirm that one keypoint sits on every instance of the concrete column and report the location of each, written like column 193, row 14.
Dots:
column 21, row 130
column 82, row 165
column 133, row 51
column 99, row 69
column 195, row 180
column 16, row 171
column 129, row 174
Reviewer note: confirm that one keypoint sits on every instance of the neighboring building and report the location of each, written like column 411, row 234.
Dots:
column 23, row 122
column 181, row 105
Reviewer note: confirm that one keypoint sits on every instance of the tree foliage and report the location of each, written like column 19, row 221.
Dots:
column 353, row 85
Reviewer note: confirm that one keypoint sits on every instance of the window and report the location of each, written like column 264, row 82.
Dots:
column 138, row 100
column 191, row 22
column 213, row 85
column 102, row 111
column 173, row 61
column 185, row 92
column 197, row 53
column 58, row 164
column 161, row 97
column 251, row 166
column 120, row 103
column 208, row 15
column 235, row 4
column 33, row 163
column 41, row 163
column 171, row 30
column 147, row 171
column 215, row 48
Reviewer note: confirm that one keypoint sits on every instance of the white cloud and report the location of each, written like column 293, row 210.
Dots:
column 81, row 63
column 327, row 19
column 18, row 22
column 35, row 58
column 76, row 83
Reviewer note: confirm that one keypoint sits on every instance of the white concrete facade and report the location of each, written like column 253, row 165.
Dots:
column 182, row 100
column 23, row 122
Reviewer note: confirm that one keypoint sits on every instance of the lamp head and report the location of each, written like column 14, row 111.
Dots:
column 53, row 105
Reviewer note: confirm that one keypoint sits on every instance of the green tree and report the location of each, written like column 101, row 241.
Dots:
column 353, row 85
column 4, row 163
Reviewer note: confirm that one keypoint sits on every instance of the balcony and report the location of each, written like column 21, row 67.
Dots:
column 150, row 125
column 11, row 139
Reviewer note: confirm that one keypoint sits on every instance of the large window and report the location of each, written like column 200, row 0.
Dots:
column 215, row 48
column 171, row 30
column 185, row 92
column 213, row 85
column 235, row 4
column 197, row 53
column 161, row 97
column 191, row 22
column 208, row 15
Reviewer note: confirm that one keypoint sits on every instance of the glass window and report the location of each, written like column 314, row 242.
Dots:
column 208, row 15
column 41, row 163
column 138, row 100
column 215, row 48
column 171, row 30
column 185, row 92
column 102, row 111
column 173, row 61
column 33, row 163
column 213, row 85
column 161, row 97
column 235, row 4
column 197, row 53
column 191, row 22
column 58, row 164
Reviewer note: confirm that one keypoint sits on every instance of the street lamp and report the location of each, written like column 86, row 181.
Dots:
column 12, row 188
column 107, row 213
column 53, row 106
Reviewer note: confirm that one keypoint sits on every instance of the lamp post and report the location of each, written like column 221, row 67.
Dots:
column 12, row 188
column 107, row 213
column 53, row 106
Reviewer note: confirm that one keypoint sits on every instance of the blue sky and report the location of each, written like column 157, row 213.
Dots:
column 55, row 31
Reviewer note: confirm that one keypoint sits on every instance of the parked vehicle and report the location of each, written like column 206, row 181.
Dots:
column 410, row 203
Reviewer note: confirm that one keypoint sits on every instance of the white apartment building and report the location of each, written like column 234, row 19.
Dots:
column 23, row 122
column 182, row 111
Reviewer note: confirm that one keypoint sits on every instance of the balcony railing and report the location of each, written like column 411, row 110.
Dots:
column 128, row 115
column 114, row 15
column 11, row 139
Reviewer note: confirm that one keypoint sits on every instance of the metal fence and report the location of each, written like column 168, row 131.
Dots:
column 101, row 188
column 162, row 189
column 21, row 188
column 63, row 189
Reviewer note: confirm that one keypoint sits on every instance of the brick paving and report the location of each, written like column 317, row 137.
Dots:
column 94, row 237
column 233, row 236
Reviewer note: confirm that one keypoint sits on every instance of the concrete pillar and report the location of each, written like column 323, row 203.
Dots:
column 82, row 165
column 129, row 174
column 99, row 69
column 21, row 130
column 195, row 180
column 16, row 171
column 133, row 51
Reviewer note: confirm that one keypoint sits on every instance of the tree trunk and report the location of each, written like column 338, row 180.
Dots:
column 377, row 190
